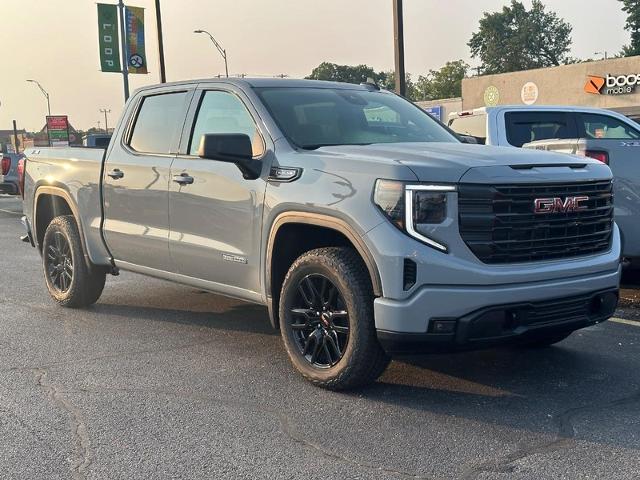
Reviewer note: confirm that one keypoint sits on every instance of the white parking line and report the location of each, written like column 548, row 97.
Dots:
column 10, row 212
column 625, row 322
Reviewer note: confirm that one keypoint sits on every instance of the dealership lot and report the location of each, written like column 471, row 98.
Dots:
column 159, row 380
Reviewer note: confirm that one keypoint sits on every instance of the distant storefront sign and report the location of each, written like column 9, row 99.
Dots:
column 58, row 130
column 435, row 111
column 136, row 55
column 612, row 84
column 529, row 93
column 108, row 38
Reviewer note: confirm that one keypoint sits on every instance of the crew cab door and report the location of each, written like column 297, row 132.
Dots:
column 215, row 213
column 136, row 179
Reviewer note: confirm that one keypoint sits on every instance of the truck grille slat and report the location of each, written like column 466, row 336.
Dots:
column 499, row 225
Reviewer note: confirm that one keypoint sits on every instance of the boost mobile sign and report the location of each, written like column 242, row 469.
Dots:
column 612, row 84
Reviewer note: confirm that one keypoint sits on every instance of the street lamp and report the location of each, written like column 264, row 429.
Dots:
column 605, row 53
column 222, row 51
column 44, row 92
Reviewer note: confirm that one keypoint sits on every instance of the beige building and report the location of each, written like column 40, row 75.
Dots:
column 613, row 84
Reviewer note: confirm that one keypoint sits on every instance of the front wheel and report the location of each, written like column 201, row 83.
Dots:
column 70, row 281
column 326, row 320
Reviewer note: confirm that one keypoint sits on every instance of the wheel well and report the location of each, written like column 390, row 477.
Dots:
column 48, row 208
column 291, row 241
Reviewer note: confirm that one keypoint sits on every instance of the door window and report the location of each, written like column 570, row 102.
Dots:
column 525, row 127
column 159, row 122
column 223, row 112
column 472, row 125
column 606, row 127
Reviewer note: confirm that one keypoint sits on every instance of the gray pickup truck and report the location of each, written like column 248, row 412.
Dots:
column 364, row 225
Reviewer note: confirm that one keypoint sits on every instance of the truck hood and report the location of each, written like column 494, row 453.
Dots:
column 450, row 162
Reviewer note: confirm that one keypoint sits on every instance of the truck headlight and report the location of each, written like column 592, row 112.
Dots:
column 414, row 208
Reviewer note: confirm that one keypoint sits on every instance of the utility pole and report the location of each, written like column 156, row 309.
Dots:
column 106, row 121
column 163, row 73
column 15, row 137
column 398, row 37
column 125, row 56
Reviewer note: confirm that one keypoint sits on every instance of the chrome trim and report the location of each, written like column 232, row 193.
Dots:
column 408, row 220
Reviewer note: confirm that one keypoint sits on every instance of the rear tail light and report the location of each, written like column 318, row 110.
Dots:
column 6, row 165
column 597, row 155
column 22, row 169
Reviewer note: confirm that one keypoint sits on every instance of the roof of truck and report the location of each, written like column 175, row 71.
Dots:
column 265, row 82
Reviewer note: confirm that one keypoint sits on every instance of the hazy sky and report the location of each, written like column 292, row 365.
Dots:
column 56, row 42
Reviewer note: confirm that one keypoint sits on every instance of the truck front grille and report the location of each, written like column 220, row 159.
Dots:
column 499, row 224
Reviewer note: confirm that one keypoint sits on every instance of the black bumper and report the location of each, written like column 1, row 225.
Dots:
column 507, row 324
column 8, row 187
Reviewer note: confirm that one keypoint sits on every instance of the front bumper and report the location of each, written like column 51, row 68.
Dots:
column 506, row 324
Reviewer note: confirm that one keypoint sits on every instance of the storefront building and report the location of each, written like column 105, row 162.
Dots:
column 612, row 84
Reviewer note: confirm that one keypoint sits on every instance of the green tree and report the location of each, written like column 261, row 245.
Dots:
column 520, row 39
column 443, row 83
column 358, row 74
column 346, row 73
column 632, row 9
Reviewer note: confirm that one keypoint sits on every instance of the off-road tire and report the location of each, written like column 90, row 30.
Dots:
column 86, row 285
column 363, row 359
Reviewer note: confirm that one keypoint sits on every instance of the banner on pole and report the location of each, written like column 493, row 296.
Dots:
column 136, row 56
column 58, row 130
column 108, row 38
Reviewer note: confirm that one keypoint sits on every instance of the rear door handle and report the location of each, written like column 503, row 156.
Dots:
column 116, row 174
column 183, row 179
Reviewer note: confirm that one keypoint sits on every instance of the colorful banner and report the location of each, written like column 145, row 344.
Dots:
column 136, row 56
column 58, row 130
column 108, row 38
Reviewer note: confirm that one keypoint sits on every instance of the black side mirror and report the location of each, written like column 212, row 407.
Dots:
column 468, row 139
column 233, row 148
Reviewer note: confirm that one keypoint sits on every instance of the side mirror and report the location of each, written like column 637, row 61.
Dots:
column 233, row 148
column 468, row 139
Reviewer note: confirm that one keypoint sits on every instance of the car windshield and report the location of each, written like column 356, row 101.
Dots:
column 316, row 117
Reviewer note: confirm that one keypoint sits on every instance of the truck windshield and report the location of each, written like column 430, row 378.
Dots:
column 316, row 117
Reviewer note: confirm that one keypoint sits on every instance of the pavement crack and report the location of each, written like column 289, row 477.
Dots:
column 79, row 431
column 293, row 435
column 565, row 438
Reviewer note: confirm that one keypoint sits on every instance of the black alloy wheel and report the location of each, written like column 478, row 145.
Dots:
column 320, row 321
column 59, row 263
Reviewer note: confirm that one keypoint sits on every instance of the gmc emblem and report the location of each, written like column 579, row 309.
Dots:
column 557, row 205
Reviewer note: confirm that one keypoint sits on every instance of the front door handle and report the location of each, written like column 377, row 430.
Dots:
column 183, row 179
column 116, row 174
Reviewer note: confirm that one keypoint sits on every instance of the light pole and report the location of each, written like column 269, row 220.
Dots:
column 398, row 40
column 106, row 122
column 605, row 53
column 44, row 92
column 222, row 51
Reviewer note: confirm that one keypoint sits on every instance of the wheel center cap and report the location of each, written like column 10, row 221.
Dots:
column 325, row 318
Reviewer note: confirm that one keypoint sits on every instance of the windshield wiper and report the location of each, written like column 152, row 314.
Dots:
column 320, row 145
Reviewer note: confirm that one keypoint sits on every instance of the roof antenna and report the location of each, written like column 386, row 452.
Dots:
column 370, row 84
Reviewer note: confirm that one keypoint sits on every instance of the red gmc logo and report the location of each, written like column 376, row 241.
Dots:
column 557, row 205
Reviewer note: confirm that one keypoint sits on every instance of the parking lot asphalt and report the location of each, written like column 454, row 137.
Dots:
column 163, row 381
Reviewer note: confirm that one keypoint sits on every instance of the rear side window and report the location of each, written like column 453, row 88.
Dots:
column 159, row 121
column 606, row 127
column 472, row 125
column 525, row 127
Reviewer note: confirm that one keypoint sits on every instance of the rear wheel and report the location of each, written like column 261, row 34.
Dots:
column 69, row 280
column 326, row 320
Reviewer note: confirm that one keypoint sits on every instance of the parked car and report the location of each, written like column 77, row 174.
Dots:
column 9, row 173
column 96, row 140
column 363, row 224
column 602, row 134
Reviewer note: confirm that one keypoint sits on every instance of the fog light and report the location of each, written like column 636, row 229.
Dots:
column 443, row 326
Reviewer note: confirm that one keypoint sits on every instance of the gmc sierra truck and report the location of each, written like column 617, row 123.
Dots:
column 366, row 227
column 607, row 136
